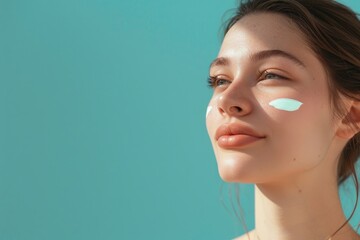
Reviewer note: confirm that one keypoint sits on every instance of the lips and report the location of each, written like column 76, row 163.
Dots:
column 236, row 135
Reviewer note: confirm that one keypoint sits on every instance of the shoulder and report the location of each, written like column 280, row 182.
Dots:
column 246, row 236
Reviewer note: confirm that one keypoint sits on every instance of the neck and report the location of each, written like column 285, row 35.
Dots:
column 297, row 211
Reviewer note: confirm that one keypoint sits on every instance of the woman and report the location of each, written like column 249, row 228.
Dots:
column 285, row 114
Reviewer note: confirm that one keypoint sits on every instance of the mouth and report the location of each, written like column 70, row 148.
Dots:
column 235, row 135
column 237, row 140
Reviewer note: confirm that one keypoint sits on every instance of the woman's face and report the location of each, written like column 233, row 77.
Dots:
column 270, row 105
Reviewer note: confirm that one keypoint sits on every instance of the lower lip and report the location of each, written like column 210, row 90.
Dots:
column 233, row 141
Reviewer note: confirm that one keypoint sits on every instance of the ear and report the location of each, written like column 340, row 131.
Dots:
column 350, row 125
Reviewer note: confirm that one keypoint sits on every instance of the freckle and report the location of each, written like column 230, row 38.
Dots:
column 294, row 159
column 300, row 191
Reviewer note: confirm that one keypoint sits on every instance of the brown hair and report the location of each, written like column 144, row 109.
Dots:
column 332, row 31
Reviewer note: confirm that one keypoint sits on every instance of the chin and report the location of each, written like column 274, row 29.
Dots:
column 230, row 179
column 236, row 179
column 234, row 174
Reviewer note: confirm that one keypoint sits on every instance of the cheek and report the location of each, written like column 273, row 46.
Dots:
column 300, row 128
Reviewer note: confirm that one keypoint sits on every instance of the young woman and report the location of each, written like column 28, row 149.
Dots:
column 285, row 114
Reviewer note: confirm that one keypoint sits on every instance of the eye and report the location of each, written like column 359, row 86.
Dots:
column 268, row 75
column 214, row 82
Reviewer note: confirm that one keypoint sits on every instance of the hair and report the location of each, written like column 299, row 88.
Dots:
column 332, row 31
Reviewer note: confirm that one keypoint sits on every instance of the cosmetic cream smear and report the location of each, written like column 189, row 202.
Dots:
column 208, row 110
column 286, row 104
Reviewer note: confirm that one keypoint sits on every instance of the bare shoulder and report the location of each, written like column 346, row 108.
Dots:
column 246, row 236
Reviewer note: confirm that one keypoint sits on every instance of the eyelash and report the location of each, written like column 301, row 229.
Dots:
column 266, row 72
column 212, row 81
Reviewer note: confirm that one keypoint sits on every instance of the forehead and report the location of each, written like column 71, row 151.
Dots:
column 259, row 31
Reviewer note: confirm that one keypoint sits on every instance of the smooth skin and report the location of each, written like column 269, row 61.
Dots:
column 264, row 57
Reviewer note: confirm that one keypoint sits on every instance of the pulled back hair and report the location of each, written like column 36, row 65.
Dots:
column 332, row 31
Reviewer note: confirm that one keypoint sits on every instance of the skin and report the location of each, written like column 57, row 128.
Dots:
column 294, row 168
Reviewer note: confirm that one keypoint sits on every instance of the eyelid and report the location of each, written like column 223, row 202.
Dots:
column 213, row 80
column 275, row 72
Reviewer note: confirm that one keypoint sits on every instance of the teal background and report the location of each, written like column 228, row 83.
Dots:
column 102, row 127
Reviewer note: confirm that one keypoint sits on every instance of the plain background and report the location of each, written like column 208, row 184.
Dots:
column 102, row 125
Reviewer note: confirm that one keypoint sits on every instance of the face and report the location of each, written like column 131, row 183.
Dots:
column 270, row 116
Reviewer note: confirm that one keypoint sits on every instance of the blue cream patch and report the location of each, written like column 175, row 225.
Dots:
column 286, row 104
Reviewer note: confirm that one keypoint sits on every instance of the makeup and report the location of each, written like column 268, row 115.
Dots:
column 286, row 104
column 208, row 110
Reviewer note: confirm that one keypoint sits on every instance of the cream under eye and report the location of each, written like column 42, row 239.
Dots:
column 286, row 104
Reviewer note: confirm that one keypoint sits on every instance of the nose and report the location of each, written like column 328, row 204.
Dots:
column 233, row 103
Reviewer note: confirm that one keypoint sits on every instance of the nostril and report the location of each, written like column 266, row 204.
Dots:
column 236, row 109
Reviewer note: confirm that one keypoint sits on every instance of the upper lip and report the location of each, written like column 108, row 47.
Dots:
column 235, row 129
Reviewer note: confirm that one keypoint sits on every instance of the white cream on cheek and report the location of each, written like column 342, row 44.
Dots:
column 209, row 108
column 286, row 104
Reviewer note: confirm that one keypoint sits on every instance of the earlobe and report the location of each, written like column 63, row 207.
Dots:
column 350, row 125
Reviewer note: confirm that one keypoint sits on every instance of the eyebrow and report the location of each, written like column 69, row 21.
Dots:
column 222, row 61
